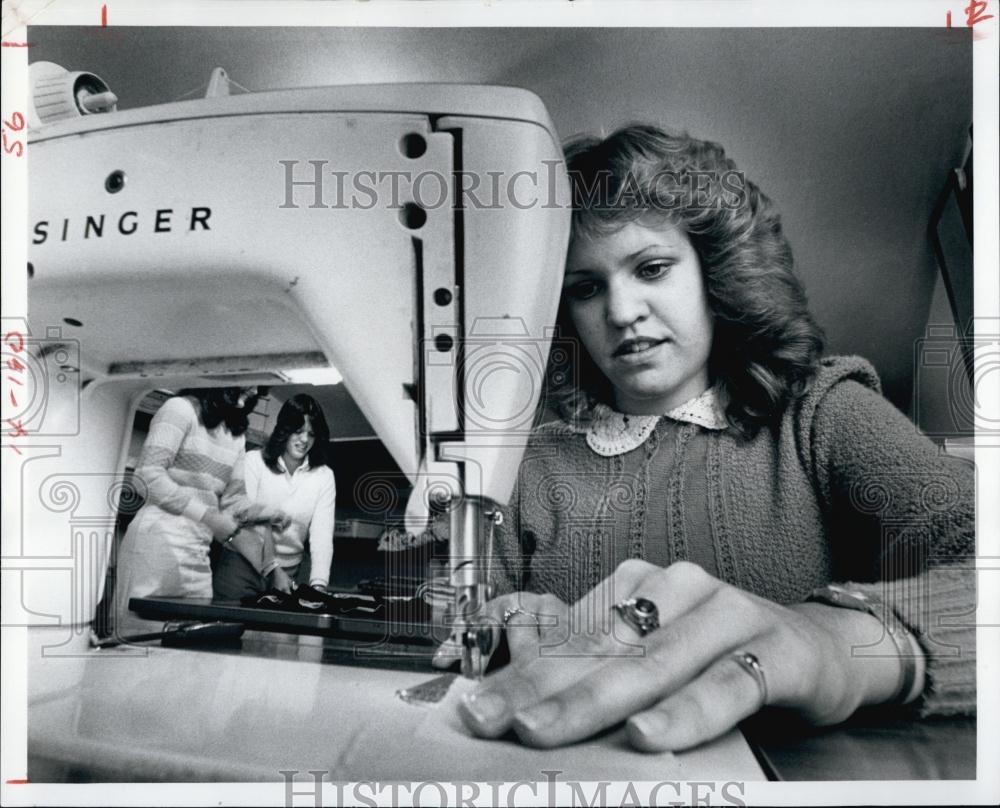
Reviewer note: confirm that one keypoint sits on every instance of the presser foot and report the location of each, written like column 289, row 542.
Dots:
column 477, row 646
column 429, row 692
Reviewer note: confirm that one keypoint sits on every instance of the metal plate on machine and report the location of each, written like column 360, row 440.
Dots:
column 353, row 624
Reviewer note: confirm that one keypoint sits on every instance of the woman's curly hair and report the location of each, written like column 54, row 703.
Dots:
column 766, row 344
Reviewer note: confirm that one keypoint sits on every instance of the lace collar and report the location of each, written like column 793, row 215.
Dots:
column 614, row 433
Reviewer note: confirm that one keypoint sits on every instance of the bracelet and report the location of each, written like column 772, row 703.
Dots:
column 920, row 670
column 912, row 664
column 232, row 535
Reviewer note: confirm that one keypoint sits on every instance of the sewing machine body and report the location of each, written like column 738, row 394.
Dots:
column 224, row 240
column 170, row 248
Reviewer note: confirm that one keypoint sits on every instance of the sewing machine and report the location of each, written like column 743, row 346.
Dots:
column 225, row 239
column 409, row 236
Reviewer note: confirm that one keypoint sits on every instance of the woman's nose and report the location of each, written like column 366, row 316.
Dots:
column 625, row 304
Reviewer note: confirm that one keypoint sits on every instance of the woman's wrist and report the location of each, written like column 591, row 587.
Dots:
column 867, row 657
column 912, row 667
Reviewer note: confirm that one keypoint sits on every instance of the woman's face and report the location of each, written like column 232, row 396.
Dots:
column 300, row 442
column 637, row 299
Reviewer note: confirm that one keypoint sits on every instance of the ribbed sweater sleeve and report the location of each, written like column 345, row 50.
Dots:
column 234, row 495
column 909, row 511
column 167, row 431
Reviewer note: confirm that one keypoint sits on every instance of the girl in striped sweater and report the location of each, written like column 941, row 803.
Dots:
column 191, row 476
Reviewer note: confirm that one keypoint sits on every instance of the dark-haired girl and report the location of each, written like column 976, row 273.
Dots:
column 290, row 473
column 191, row 475
column 722, row 519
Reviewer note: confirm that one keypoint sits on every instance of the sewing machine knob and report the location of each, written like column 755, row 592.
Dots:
column 56, row 94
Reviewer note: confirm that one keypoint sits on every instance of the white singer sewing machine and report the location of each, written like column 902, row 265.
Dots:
column 219, row 241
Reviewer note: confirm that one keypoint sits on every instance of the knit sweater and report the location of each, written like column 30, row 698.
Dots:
column 308, row 495
column 842, row 488
column 188, row 469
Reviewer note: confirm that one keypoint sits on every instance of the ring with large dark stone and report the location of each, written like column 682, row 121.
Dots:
column 640, row 613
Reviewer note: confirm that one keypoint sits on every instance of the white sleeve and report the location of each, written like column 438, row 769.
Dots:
column 321, row 528
column 252, row 469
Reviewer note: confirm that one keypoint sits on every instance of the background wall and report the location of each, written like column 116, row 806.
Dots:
column 851, row 131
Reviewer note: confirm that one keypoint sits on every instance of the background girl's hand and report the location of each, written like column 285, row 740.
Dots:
column 679, row 685
column 279, row 519
column 280, row 580
column 256, row 513
column 221, row 523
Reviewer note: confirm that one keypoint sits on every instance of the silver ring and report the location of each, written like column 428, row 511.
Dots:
column 751, row 665
column 640, row 613
column 510, row 611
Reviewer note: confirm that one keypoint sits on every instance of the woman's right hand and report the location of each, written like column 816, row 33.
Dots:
column 525, row 618
column 578, row 669
column 222, row 524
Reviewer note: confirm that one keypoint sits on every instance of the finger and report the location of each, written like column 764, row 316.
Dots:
column 448, row 653
column 702, row 710
column 622, row 685
column 675, row 590
column 555, row 671
column 524, row 634
column 542, row 622
column 533, row 614
column 489, row 710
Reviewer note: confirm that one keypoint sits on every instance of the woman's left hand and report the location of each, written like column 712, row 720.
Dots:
column 576, row 670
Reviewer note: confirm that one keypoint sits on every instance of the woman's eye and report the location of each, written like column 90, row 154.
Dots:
column 582, row 290
column 654, row 270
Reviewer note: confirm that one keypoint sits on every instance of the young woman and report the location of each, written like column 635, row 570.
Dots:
column 670, row 551
column 191, row 475
column 290, row 473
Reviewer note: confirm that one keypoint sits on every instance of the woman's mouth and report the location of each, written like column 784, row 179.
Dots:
column 637, row 350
